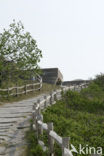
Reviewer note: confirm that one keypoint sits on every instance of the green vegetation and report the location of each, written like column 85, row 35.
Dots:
column 19, row 55
column 34, row 149
column 80, row 116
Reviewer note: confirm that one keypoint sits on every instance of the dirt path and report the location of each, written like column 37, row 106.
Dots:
column 14, row 122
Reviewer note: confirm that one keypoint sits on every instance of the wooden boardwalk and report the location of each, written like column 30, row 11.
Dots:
column 14, row 122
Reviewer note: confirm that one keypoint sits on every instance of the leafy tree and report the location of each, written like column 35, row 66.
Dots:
column 18, row 52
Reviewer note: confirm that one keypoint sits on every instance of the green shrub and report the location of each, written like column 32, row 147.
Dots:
column 34, row 149
column 79, row 116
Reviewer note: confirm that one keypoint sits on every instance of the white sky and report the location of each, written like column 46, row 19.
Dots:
column 70, row 33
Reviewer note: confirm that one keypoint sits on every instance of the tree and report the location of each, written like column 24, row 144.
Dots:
column 18, row 51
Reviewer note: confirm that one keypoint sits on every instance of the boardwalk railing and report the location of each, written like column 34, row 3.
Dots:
column 80, row 87
column 18, row 90
column 39, row 125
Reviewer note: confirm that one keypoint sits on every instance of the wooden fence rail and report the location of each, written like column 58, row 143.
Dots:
column 39, row 126
column 24, row 89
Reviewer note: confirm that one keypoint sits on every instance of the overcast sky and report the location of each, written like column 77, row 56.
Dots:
column 70, row 33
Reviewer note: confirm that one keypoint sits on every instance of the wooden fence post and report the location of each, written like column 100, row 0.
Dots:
column 34, row 116
column 40, row 129
column 33, row 86
column 65, row 144
column 25, row 89
column 8, row 91
column 39, row 118
column 55, row 96
column 34, row 111
column 51, row 101
column 38, row 112
column 45, row 103
column 50, row 140
column 74, row 88
column 36, row 122
column 16, row 90
column 34, row 106
column 38, row 101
